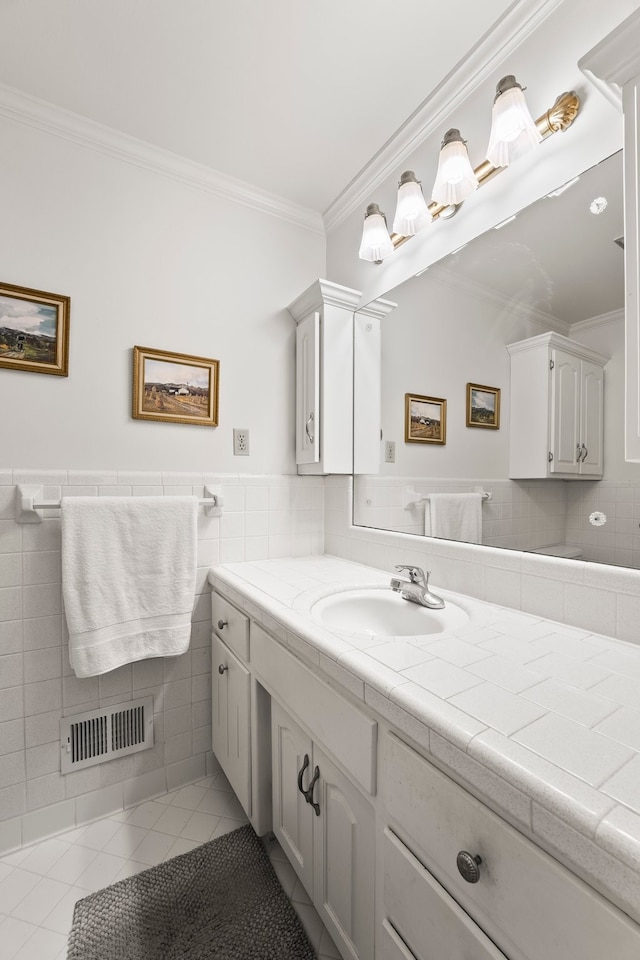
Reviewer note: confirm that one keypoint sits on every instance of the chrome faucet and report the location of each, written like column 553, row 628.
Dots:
column 416, row 588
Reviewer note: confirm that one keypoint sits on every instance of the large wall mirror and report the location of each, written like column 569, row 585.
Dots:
column 558, row 266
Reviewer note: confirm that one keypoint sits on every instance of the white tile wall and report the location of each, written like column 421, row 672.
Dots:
column 264, row 517
column 596, row 597
column 522, row 514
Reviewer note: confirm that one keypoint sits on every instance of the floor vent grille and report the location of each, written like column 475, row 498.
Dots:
column 116, row 731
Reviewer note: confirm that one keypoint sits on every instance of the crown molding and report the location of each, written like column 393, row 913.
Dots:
column 521, row 21
column 323, row 292
column 378, row 309
column 479, row 291
column 612, row 317
column 22, row 108
column 616, row 59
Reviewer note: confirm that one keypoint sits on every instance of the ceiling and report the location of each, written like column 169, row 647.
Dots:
column 292, row 96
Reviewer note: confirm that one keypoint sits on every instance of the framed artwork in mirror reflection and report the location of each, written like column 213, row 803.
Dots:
column 483, row 406
column 425, row 419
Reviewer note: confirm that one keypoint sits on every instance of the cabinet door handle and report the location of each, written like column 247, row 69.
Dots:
column 222, row 668
column 309, row 791
column 306, row 427
column 469, row 866
column 301, row 771
column 579, row 452
column 585, row 454
column 222, row 624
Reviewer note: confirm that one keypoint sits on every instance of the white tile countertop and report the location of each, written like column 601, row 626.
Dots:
column 539, row 719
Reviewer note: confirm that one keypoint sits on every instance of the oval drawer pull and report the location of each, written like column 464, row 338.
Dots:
column 222, row 624
column 222, row 668
column 469, row 866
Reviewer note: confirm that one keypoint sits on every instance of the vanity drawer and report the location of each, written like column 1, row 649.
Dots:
column 231, row 625
column 430, row 923
column 345, row 731
column 529, row 904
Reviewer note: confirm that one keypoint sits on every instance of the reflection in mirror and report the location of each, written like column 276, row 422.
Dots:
column 558, row 266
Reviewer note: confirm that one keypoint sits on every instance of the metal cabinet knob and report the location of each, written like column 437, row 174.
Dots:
column 222, row 668
column 469, row 866
column 222, row 623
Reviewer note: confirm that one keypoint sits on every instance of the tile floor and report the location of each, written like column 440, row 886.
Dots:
column 40, row 884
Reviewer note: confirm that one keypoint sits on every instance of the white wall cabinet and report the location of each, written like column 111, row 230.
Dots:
column 556, row 409
column 326, row 827
column 325, row 333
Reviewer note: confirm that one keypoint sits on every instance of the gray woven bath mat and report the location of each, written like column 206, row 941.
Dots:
column 220, row 900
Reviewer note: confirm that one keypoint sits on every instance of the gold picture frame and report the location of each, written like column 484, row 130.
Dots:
column 483, row 406
column 425, row 419
column 34, row 330
column 175, row 387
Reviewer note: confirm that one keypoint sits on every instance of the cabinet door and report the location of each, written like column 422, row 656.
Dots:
column 292, row 815
column 231, row 715
column 592, row 428
column 308, row 390
column 565, row 413
column 344, row 860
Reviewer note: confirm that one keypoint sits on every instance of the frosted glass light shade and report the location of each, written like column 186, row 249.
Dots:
column 376, row 243
column 513, row 129
column 412, row 212
column 455, row 179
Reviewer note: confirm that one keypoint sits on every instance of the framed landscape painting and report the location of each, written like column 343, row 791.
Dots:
column 175, row 387
column 34, row 330
column 483, row 406
column 425, row 419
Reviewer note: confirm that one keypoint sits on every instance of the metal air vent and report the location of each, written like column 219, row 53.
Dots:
column 100, row 735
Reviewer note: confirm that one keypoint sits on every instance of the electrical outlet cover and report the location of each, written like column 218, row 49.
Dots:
column 389, row 451
column 240, row 442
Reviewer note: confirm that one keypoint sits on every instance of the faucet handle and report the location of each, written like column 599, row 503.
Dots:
column 416, row 574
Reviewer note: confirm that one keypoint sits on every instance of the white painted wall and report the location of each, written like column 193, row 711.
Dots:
column 151, row 261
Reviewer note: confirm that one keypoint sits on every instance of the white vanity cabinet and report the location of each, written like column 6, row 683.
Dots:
column 556, row 409
column 231, row 718
column 467, row 869
column 401, row 861
column 326, row 827
column 317, row 737
column 240, row 714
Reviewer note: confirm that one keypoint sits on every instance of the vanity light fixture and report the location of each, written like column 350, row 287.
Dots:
column 455, row 179
column 377, row 244
column 513, row 129
column 412, row 212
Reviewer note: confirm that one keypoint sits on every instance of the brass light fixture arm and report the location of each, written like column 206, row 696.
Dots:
column 558, row 118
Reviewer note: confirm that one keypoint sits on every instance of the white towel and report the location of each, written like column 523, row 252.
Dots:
column 456, row 516
column 128, row 578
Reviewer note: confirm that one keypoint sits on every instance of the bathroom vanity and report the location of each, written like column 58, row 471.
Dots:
column 419, row 785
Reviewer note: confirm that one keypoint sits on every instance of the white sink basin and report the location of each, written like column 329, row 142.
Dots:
column 381, row 612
